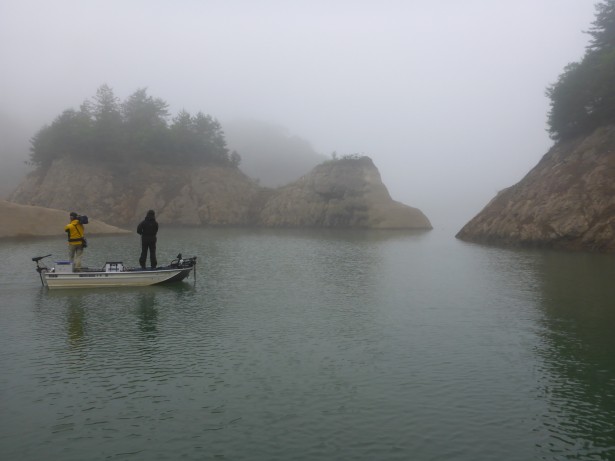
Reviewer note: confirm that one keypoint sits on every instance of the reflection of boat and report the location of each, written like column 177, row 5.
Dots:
column 113, row 274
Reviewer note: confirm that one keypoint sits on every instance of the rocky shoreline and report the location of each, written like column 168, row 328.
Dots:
column 566, row 201
column 34, row 221
column 345, row 193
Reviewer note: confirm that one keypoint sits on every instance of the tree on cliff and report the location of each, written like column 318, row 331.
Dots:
column 198, row 138
column 106, row 129
column 144, row 123
column 107, row 124
column 68, row 135
column 583, row 98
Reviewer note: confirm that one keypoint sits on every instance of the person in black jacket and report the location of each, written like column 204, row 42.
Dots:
column 148, row 228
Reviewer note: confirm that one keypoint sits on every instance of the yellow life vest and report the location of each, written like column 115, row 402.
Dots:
column 75, row 232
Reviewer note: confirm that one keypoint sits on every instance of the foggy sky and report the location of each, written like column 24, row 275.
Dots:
column 447, row 98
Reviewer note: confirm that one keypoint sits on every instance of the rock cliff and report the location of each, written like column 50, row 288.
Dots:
column 566, row 201
column 342, row 193
column 121, row 195
column 27, row 221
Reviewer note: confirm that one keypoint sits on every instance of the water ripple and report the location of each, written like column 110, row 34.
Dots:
column 296, row 346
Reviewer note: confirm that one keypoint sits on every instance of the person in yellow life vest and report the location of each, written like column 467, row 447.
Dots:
column 76, row 240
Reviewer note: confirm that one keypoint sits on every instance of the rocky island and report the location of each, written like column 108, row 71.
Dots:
column 568, row 199
column 344, row 193
column 113, row 161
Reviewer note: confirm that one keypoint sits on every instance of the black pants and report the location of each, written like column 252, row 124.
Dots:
column 151, row 246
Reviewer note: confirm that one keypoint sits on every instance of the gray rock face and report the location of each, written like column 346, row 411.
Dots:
column 343, row 193
column 180, row 195
column 566, row 201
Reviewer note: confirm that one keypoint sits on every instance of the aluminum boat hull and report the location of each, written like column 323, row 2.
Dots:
column 90, row 279
column 113, row 274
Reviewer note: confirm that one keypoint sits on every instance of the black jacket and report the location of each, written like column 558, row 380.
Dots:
column 148, row 228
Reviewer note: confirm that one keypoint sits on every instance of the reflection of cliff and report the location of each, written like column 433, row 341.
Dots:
column 579, row 347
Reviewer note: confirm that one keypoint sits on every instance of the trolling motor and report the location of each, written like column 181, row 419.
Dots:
column 181, row 263
column 40, row 267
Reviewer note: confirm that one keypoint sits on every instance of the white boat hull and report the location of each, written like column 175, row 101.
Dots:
column 114, row 279
column 113, row 274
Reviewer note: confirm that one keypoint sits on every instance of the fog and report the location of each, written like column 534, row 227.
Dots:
column 447, row 98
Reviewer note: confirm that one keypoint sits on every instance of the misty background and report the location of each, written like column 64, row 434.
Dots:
column 448, row 98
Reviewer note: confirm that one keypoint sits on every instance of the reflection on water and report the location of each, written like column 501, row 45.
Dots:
column 578, row 298
column 76, row 321
column 86, row 311
column 148, row 314
column 313, row 345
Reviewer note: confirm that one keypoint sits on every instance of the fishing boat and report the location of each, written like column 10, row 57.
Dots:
column 112, row 274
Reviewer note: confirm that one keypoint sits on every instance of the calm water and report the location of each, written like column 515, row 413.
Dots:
column 297, row 345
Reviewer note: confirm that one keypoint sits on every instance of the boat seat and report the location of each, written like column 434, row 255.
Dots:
column 114, row 266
